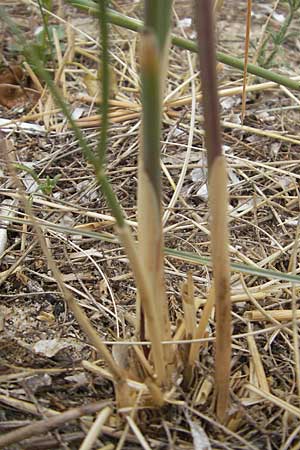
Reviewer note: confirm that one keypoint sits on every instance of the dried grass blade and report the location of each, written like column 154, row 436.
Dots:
column 281, row 315
column 257, row 362
column 78, row 312
column 199, row 334
column 138, row 433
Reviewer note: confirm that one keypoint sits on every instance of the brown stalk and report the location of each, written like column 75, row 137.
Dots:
column 43, row 426
column 218, row 203
column 207, row 53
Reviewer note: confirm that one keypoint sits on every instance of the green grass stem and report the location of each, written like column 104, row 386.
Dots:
column 104, row 58
column 151, row 110
column 157, row 19
column 137, row 25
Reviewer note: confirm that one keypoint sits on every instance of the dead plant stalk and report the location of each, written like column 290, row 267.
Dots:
column 218, row 203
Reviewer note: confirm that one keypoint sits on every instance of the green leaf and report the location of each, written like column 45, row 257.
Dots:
column 28, row 170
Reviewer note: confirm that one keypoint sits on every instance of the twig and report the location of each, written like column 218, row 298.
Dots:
column 42, row 426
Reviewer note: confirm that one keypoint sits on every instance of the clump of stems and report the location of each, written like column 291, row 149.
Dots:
column 147, row 257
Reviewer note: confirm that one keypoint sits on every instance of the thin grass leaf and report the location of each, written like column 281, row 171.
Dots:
column 183, row 256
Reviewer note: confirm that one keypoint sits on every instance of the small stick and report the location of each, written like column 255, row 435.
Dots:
column 25, row 406
column 43, row 426
column 278, row 314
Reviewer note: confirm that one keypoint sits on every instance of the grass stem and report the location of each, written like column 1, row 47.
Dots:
column 136, row 25
column 218, row 202
column 104, row 67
